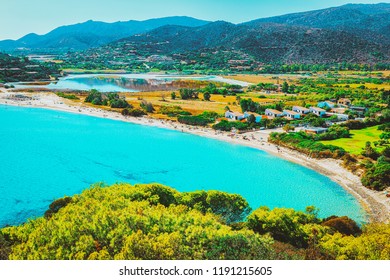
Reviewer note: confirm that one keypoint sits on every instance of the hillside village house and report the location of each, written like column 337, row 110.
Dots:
column 318, row 111
column 340, row 117
column 257, row 116
column 338, row 110
column 359, row 110
column 316, row 130
column 273, row 113
column 326, row 103
column 301, row 110
column 291, row 114
column 344, row 102
column 234, row 115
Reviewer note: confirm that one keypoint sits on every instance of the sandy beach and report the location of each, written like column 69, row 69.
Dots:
column 375, row 203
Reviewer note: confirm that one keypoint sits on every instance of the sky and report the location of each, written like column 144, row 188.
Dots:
column 20, row 17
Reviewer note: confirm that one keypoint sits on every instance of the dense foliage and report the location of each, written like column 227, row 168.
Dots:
column 67, row 96
column 173, row 111
column 285, row 225
column 157, row 222
column 202, row 120
column 16, row 69
column 377, row 175
column 304, row 143
column 225, row 125
column 140, row 222
column 372, row 244
column 133, row 112
column 334, row 132
column 113, row 99
column 187, row 93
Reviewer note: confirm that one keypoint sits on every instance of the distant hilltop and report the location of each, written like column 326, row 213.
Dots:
column 357, row 33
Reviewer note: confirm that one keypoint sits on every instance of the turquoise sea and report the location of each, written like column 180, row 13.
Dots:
column 48, row 154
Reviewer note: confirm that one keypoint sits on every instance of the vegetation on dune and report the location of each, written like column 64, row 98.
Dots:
column 173, row 111
column 225, row 125
column 372, row 244
column 157, row 222
column 202, row 120
column 377, row 176
column 304, row 143
column 67, row 96
column 107, row 99
column 141, row 222
column 134, row 112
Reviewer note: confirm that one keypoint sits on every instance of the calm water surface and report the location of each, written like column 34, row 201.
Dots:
column 125, row 82
column 48, row 154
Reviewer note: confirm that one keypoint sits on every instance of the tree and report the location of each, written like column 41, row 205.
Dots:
column 370, row 151
column 187, row 93
column 285, row 225
column 285, row 87
column 288, row 128
column 251, row 119
column 206, row 96
column 173, row 95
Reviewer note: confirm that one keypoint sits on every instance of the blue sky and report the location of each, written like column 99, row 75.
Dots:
column 20, row 17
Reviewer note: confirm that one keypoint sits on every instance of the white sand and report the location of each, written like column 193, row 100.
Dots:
column 375, row 203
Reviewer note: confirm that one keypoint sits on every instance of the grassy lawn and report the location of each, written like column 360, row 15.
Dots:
column 358, row 139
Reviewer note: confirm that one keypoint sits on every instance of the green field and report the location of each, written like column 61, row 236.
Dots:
column 358, row 139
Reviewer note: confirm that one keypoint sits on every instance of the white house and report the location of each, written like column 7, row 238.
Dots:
column 273, row 113
column 340, row 117
column 234, row 115
column 301, row 110
column 291, row 114
column 318, row 111
column 257, row 116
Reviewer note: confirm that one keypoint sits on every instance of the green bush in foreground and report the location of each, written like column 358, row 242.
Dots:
column 138, row 222
column 157, row 222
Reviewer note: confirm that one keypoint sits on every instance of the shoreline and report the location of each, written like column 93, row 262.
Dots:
column 376, row 205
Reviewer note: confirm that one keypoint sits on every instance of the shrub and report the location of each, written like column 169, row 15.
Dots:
column 56, row 205
column 147, row 106
column 378, row 175
column 225, row 125
column 285, row 225
column 203, row 119
column 67, row 96
column 344, row 225
column 133, row 112
column 173, row 111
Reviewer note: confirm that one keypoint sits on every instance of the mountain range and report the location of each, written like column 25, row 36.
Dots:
column 92, row 34
column 357, row 33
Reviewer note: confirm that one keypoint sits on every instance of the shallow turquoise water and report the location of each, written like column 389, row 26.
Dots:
column 48, row 154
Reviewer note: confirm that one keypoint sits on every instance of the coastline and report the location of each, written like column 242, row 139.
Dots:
column 374, row 203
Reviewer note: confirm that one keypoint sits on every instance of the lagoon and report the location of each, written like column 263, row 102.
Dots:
column 48, row 154
column 124, row 82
